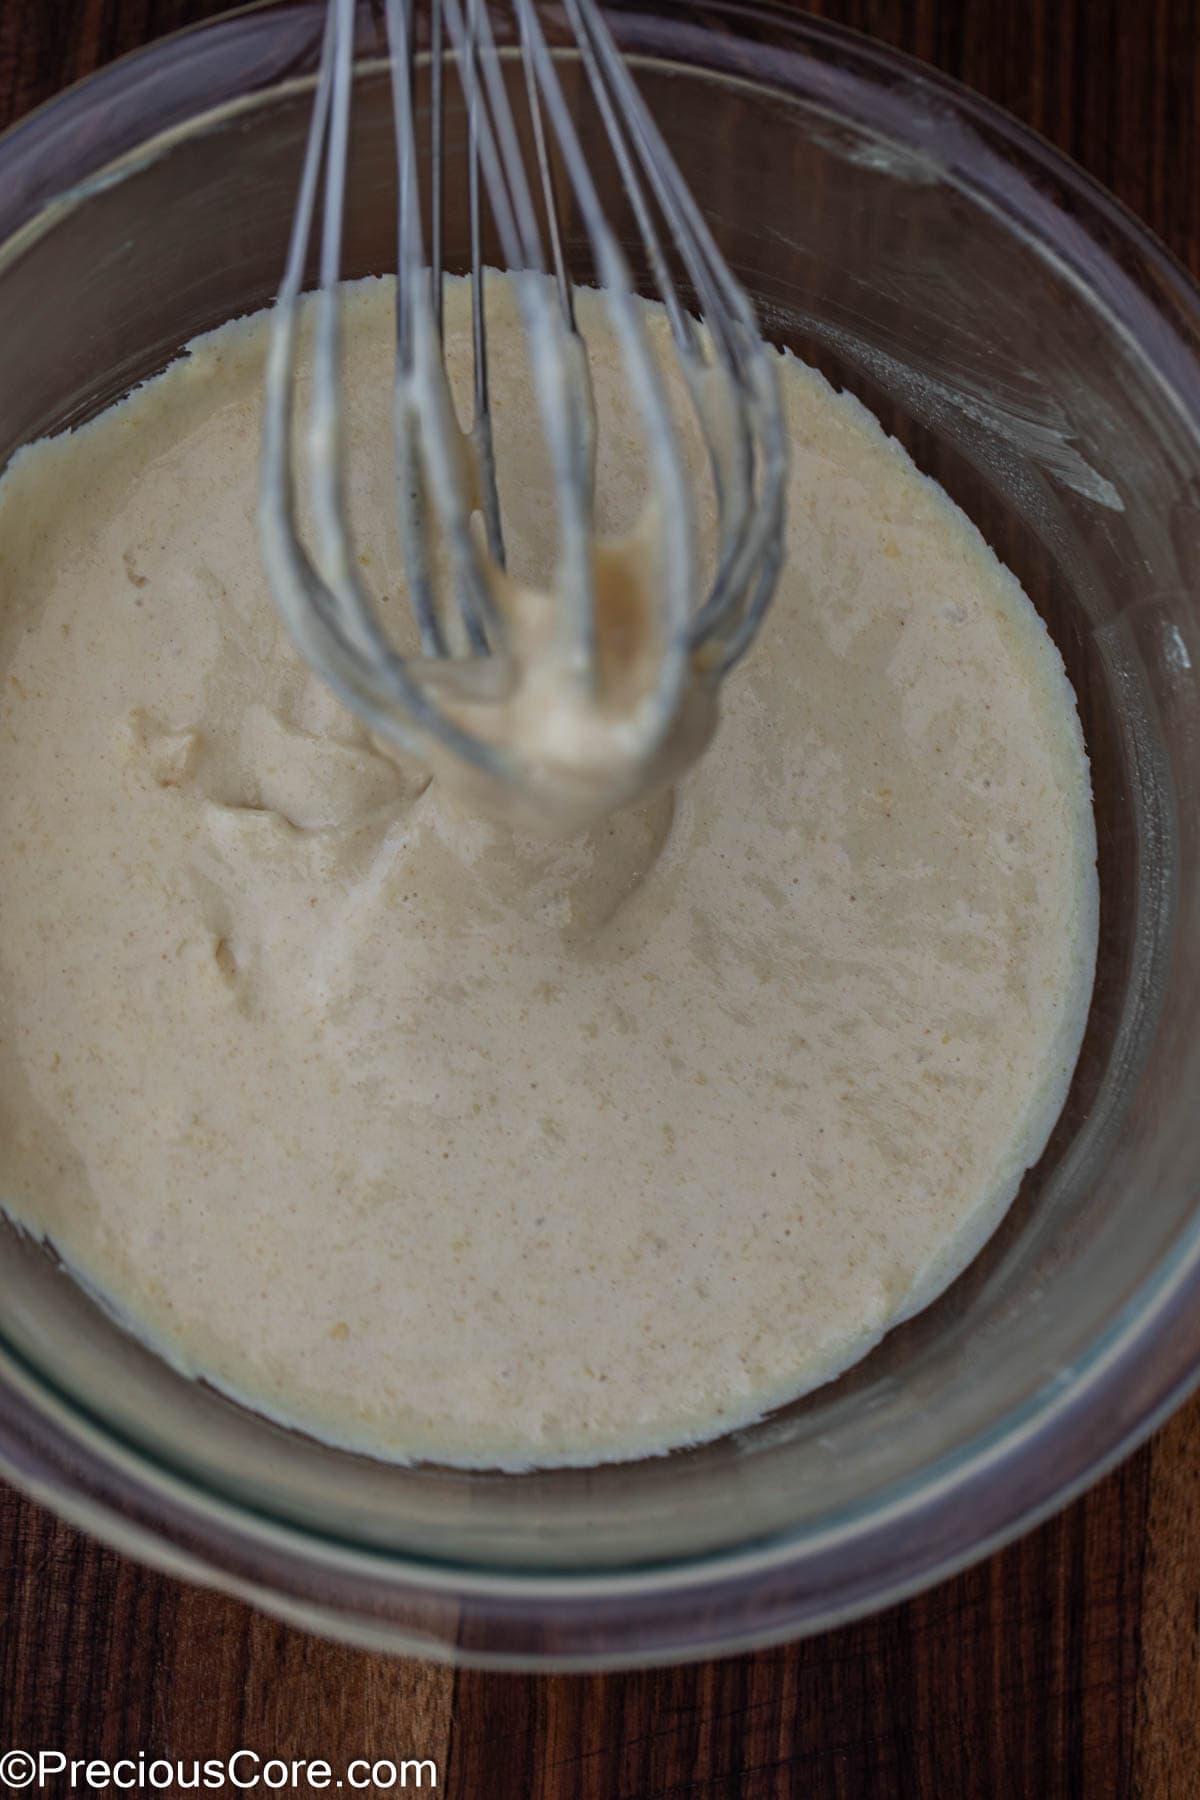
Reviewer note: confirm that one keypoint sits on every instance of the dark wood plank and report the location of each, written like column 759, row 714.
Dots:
column 1067, row 1665
column 100, row 1657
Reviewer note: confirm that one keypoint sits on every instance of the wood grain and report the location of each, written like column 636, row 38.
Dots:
column 1067, row 1665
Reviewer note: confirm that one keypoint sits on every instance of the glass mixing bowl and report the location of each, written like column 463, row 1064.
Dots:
column 1038, row 352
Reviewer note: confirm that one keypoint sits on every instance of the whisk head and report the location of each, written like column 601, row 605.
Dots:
column 533, row 703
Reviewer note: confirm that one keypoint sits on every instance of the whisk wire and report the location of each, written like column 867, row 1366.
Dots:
column 676, row 553
column 409, row 478
column 437, row 150
column 319, row 606
column 481, row 429
column 566, row 294
column 745, row 533
column 517, row 225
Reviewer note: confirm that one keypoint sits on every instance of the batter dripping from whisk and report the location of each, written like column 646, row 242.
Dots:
column 436, row 1139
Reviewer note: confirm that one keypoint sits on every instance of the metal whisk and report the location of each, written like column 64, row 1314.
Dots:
column 524, row 177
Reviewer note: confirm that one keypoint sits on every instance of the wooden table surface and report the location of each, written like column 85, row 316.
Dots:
column 1068, row 1664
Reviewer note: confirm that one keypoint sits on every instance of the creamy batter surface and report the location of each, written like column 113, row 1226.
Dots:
column 437, row 1139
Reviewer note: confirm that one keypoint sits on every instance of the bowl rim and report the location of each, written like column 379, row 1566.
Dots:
column 1038, row 1456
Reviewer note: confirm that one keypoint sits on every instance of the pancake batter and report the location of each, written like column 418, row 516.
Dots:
column 435, row 1139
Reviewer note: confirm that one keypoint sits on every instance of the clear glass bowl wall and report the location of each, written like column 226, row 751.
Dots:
column 1037, row 352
